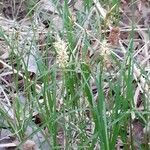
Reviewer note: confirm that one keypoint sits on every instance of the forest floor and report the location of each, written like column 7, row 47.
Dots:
column 75, row 74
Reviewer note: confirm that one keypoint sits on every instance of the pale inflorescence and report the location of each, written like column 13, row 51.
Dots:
column 105, row 51
column 62, row 55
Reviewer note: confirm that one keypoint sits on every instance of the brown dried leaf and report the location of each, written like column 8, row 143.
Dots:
column 29, row 145
column 114, row 36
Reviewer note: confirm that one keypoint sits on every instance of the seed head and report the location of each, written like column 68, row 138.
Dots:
column 62, row 55
column 105, row 51
column 105, row 54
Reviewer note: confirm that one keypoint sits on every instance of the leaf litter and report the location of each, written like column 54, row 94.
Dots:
column 20, row 37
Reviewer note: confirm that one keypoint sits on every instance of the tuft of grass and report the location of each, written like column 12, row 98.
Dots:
column 71, row 115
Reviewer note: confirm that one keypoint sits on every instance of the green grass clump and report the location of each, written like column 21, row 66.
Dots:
column 70, row 114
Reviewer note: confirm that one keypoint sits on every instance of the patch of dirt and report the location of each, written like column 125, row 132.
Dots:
column 14, row 9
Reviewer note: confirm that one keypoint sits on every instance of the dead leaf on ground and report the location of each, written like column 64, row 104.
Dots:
column 114, row 36
column 29, row 145
column 138, row 135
